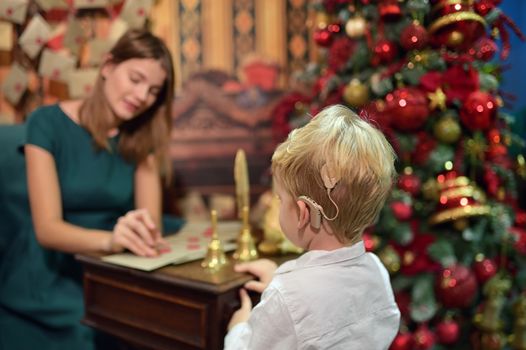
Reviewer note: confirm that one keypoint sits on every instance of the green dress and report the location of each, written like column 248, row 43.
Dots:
column 41, row 296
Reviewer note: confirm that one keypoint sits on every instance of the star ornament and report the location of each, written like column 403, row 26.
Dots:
column 437, row 99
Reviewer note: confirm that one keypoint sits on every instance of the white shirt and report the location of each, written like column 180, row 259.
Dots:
column 340, row 299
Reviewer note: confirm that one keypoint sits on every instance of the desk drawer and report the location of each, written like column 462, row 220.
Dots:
column 147, row 317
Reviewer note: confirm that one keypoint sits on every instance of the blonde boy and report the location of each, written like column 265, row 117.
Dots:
column 332, row 177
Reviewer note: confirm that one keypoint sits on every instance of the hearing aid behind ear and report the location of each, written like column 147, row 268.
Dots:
column 330, row 179
column 315, row 211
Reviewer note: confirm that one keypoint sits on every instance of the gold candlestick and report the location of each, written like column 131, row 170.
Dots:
column 246, row 249
column 215, row 256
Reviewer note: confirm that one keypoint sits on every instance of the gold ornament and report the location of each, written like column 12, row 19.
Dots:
column 430, row 189
column 215, row 257
column 418, row 57
column 390, row 258
column 476, row 147
column 242, row 182
column 356, row 94
column 322, row 20
column 499, row 101
column 437, row 99
column 495, row 290
column 460, row 224
column 458, row 199
column 521, row 166
column 246, row 249
column 518, row 338
column 274, row 241
column 355, row 27
column 447, row 129
column 455, row 38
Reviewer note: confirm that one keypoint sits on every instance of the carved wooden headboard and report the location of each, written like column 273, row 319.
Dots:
column 212, row 118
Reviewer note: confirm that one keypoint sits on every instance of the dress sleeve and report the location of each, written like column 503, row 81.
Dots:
column 270, row 326
column 41, row 129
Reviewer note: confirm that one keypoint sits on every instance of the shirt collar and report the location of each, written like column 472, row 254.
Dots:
column 323, row 257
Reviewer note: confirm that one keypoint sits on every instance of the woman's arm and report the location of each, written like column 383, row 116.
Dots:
column 148, row 193
column 46, row 209
column 131, row 231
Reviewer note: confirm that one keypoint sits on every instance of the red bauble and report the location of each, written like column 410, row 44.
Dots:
column 456, row 286
column 484, row 270
column 389, row 10
column 403, row 300
column 520, row 218
column 483, row 7
column 455, row 26
column 402, row 341
column 385, row 51
column 519, row 238
column 484, row 49
column 375, row 111
column 423, row 338
column 402, row 211
column 478, row 111
column 409, row 183
column 370, row 241
column 408, row 107
column 323, row 37
column 414, row 37
column 447, row 331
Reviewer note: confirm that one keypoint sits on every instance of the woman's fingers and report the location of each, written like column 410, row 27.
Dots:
column 147, row 219
column 128, row 238
column 140, row 229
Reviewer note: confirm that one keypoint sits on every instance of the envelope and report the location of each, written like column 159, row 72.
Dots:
column 97, row 48
column 135, row 12
column 35, row 36
column 81, row 82
column 73, row 37
column 47, row 5
column 14, row 10
column 6, row 36
column 89, row 4
column 56, row 66
column 15, row 84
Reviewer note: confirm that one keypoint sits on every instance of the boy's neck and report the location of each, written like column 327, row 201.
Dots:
column 327, row 241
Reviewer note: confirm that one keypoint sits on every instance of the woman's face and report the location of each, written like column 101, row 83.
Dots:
column 132, row 86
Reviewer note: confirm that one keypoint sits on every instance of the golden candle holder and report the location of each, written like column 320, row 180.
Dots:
column 215, row 257
column 246, row 248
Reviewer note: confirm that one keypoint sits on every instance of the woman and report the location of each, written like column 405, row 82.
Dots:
column 94, row 178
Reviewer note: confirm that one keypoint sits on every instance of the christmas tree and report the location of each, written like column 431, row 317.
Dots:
column 452, row 235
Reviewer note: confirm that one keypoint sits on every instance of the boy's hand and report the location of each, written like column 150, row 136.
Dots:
column 263, row 269
column 243, row 313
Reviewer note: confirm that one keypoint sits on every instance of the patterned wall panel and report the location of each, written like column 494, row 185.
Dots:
column 297, row 34
column 221, row 34
column 244, row 29
column 190, row 31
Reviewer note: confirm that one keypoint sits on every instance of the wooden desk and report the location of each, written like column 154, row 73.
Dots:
column 175, row 307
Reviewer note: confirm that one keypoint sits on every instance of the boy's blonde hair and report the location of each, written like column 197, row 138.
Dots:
column 355, row 151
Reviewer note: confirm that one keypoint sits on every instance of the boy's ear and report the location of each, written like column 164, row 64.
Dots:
column 304, row 214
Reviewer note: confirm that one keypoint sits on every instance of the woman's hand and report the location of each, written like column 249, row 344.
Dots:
column 263, row 269
column 243, row 313
column 137, row 232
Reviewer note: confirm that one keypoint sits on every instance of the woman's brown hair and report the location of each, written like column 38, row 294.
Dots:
column 149, row 132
